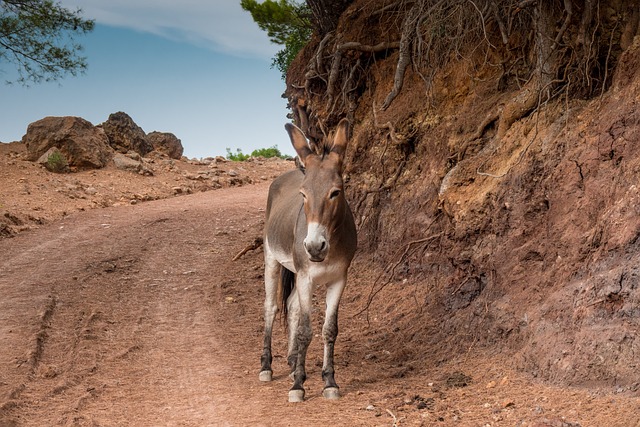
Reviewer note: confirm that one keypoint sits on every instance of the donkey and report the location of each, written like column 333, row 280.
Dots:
column 310, row 240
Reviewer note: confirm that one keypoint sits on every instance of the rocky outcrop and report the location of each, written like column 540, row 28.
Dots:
column 166, row 143
column 83, row 145
column 125, row 135
column 64, row 144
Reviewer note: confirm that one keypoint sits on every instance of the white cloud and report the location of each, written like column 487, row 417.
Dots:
column 221, row 25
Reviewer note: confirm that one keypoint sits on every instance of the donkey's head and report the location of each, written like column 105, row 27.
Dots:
column 322, row 188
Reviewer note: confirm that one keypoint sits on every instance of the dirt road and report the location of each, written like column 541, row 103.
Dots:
column 137, row 316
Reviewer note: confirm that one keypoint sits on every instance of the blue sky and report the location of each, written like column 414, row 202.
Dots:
column 197, row 68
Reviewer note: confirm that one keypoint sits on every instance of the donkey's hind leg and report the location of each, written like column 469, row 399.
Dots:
column 271, row 276
column 293, row 314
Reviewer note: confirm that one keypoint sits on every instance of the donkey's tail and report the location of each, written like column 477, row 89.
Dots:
column 287, row 282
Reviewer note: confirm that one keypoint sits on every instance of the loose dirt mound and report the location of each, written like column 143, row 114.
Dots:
column 136, row 315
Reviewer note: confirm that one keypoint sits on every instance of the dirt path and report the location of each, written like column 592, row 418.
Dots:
column 136, row 316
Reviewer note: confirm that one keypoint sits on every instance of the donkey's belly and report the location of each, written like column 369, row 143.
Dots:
column 284, row 257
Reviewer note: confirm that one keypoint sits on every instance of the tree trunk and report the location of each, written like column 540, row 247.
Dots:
column 326, row 13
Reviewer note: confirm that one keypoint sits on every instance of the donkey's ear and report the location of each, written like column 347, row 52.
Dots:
column 340, row 140
column 298, row 141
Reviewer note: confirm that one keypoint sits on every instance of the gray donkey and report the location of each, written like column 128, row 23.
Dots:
column 310, row 240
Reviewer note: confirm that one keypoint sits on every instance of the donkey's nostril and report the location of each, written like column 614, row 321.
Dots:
column 323, row 245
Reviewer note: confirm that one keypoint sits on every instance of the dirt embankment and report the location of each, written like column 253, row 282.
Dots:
column 519, row 234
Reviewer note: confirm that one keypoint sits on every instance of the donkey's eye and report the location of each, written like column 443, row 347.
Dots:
column 334, row 194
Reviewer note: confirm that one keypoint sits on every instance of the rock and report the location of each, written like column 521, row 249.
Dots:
column 166, row 143
column 508, row 403
column 133, row 155
column 82, row 144
column 5, row 231
column 458, row 380
column 124, row 135
column 126, row 163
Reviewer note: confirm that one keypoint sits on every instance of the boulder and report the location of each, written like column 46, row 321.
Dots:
column 166, row 143
column 82, row 144
column 125, row 135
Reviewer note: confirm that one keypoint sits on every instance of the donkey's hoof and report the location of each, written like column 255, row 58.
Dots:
column 296, row 396
column 265, row 376
column 331, row 393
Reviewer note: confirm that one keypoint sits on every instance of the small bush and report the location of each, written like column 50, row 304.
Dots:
column 57, row 162
column 267, row 153
column 238, row 156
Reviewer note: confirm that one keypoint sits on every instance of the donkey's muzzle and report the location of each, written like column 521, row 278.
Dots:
column 317, row 248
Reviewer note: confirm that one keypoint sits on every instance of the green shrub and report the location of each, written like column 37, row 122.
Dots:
column 57, row 162
column 238, row 156
column 267, row 153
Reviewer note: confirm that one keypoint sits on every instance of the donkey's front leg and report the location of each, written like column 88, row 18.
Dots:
column 329, row 334
column 303, row 337
column 271, row 274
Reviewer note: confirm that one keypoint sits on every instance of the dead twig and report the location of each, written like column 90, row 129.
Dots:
column 406, row 251
column 396, row 421
column 461, row 285
column 257, row 242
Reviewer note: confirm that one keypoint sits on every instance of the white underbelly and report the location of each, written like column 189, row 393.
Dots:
column 283, row 257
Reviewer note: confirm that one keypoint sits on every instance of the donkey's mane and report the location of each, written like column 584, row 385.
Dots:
column 323, row 149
